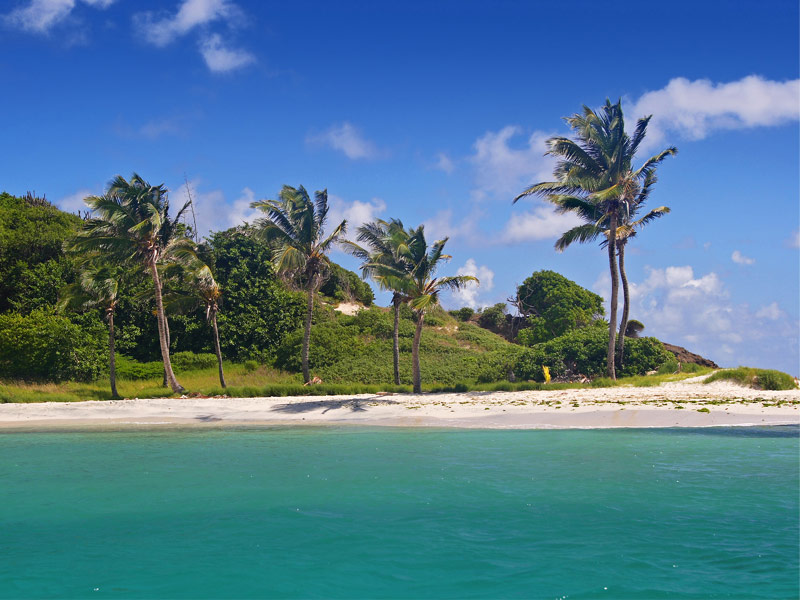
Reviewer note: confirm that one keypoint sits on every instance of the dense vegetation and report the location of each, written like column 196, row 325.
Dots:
column 760, row 379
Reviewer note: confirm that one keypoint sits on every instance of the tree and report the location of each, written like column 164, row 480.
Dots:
column 294, row 226
column 198, row 289
column 596, row 179
column 97, row 287
column 386, row 246
column 555, row 305
column 421, row 288
column 131, row 224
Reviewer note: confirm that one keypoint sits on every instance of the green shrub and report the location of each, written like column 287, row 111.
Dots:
column 44, row 347
column 764, row 379
column 493, row 317
column 190, row 361
column 250, row 366
column 133, row 370
column 463, row 314
column 668, row 366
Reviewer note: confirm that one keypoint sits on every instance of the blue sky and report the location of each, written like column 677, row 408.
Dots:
column 436, row 113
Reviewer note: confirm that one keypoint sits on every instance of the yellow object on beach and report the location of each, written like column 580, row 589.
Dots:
column 546, row 374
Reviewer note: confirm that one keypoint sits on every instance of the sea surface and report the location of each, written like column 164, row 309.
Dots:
column 400, row 513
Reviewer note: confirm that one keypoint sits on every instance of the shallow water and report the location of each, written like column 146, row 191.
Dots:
column 355, row 512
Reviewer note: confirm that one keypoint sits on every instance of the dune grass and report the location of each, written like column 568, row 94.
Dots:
column 244, row 382
column 760, row 379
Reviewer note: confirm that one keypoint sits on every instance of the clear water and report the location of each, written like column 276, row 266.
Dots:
column 348, row 513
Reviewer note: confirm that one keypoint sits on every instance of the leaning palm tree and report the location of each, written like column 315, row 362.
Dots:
column 131, row 224
column 97, row 287
column 197, row 288
column 294, row 226
column 422, row 289
column 597, row 169
column 385, row 244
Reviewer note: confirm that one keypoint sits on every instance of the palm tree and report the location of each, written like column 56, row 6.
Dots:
column 198, row 289
column 131, row 225
column 294, row 226
column 97, row 287
column 386, row 245
column 596, row 172
column 422, row 289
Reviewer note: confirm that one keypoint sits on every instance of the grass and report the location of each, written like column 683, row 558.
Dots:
column 244, row 381
column 760, row 379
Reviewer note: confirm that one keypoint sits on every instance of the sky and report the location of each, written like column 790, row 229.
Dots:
column 437, row 112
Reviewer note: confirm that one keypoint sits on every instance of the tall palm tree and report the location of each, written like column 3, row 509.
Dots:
column 386, row 245
column 597, row 168
column 422, row 289
column 294, row 226
column 131, row 224
column 97, row 287
column 198, row 288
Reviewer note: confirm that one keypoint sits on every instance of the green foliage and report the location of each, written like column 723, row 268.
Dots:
column 190, row 361
column 133, row 370
column 554, row 305
column 760, row 379
column 45, row 347
column 668, row 366
column 463, row 314
column 582, row 352
column 493, row 317
column 346, row 286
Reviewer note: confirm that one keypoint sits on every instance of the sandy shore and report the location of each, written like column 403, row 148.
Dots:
column 685, row 404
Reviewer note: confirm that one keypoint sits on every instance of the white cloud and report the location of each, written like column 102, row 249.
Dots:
column 212, row 211
column 770, row 311
column 501, row 171
column 444, row 163
column 468, row 295
column 75, row 202
column 741, row 259
column 680, row 307
column 345, row 138
column 693, row 109
column 220, row 59
column 444, row 224
column 356, row 212
column 191, row 14
column 794, row 240
column 540, row 223
column 39, row 16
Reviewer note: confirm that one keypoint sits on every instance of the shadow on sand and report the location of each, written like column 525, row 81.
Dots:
column 354, row 404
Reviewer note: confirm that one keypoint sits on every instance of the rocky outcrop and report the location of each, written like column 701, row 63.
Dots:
column 684, row 356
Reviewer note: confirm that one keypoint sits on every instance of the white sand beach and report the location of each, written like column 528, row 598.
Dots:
column 683, row 404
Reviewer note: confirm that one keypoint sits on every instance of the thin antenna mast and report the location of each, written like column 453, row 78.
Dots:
column 191, row 205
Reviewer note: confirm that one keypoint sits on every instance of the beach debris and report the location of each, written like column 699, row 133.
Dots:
column 314, row 381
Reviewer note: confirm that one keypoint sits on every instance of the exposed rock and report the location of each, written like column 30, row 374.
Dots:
column 684, row 356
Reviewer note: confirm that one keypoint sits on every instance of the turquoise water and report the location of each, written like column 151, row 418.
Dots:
column 343, row 513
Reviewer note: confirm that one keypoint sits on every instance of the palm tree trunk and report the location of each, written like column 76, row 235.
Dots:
column 307, row 333
column 396, row 339
column 626, row 300
column 612, row 320
column 112, row 359
column 169, row 343
column 415, row 355
column 218, row 350
column 162, row 332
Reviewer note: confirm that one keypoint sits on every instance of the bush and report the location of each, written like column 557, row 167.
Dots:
column 463, row 314
column 582, row 352
column 493, row 317
column 669, row 366
column 189, row 361
column 46, row 347
column 764, row 379
column 133, row 370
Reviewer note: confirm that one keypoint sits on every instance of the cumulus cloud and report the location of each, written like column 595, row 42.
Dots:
column 693, row 109
column 741, row 259
column 445, row 163
column 220, row 59
column 347, row 139
column 39, row 16
column 678, row 306
column 468, row 295
column 212, row 210
column 163, row 29
column 74, row 203
column 356, row 213
column 539, row 223
column 502, row 171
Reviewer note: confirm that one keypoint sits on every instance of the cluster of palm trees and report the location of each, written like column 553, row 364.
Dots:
column 596, row 180
column 131, row 230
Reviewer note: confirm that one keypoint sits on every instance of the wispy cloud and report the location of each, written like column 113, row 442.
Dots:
column 347, row 139
column 539, row 223
column 694, row 109
column 356, row 212
column 220, row 59
column 40, row 16
column 741, row 259
column 75, row 202
column 444, row 163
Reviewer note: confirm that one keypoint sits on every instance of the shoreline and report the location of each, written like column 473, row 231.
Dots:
column 679, row 404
